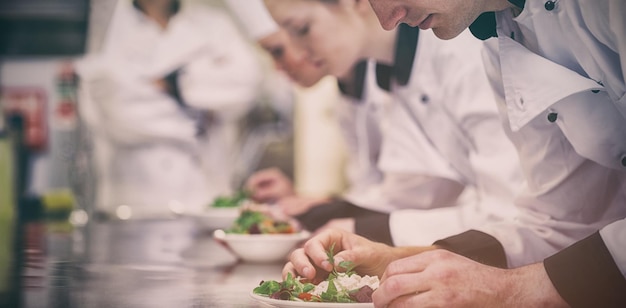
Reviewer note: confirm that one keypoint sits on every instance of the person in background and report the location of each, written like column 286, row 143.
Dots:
column 271, row 183
column 162, row 99
column 261, row 28
column 557, row 69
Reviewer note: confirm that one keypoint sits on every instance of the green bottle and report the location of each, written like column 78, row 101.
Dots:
column 9, row 291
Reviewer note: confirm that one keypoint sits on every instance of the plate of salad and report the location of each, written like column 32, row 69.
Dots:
column 340, row 289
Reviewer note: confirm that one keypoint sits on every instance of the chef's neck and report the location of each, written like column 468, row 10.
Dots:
column 158, row 10
column 380, row 44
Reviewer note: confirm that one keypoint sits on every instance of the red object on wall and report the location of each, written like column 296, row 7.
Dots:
column 31, row 103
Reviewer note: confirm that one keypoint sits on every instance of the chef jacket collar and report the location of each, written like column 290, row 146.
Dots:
column 354, row 85
column 484, row 26
column 406, row 45
column 174, row 7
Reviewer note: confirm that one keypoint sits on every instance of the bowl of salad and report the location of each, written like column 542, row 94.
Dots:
column 257, row 237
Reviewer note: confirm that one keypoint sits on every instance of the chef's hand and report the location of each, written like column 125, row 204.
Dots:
column 441, row 278
column 370, row 258
column 296, row 205
column 269, row 185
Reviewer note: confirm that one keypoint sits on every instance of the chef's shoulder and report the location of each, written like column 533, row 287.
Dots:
column 209, row 17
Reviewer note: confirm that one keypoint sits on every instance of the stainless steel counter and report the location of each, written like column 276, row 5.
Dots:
column 136, row 263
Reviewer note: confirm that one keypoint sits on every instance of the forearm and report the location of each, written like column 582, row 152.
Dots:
column 407, row 251
column 529, row 286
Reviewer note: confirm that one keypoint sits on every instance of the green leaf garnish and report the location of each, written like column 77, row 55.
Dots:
column 267, row 288
column 231, row 201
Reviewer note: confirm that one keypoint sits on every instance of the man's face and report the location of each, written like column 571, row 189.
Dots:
column 291, row 59
column 447, row 18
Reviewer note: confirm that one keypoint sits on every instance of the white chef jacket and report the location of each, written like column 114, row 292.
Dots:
column 360, row 122
column 444, row 123
column 362, row 117
column 148, row 147
column 559, row 79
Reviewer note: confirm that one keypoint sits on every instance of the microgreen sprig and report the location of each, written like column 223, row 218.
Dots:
column 347, row 266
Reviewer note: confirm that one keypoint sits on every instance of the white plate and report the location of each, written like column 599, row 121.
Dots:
column 215, row 218
column 286, row 304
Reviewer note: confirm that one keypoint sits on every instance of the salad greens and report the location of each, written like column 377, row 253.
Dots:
column 289, row 289
column 231, row 201
column 296, row 290
column 253, row 222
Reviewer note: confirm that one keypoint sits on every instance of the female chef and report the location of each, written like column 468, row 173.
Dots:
column 358, row 117
column 162, row 99
column 442, row 132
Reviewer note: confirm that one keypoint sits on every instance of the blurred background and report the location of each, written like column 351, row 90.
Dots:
column 54, row 155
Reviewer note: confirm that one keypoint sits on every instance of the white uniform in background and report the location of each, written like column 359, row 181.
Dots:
column 444, row 126
column 150, row 150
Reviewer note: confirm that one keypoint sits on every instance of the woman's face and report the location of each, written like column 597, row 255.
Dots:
column 292, row 59
column 332, row 33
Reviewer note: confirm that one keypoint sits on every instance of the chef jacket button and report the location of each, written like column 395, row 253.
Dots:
column 624, row 160
column 552, row 116
column 549, row 5
column 595, row 91
column 425, row 99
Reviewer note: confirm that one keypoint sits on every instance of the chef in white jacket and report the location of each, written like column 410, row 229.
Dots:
column 442, row 134
column 162, row 99
column 358, row 112
column 557, row 68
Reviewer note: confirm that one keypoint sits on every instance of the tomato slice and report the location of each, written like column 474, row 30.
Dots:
column 305, row 296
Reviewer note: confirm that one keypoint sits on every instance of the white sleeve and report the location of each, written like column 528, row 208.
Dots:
column 226, row 78
column 129, row 110
column 423, row 227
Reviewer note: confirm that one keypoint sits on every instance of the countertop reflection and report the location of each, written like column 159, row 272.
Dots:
column 136, row 263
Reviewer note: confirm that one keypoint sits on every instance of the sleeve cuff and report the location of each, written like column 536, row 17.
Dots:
column 586, row 275
column 374, row 227
column 173, row 88
column 321, row 214
column 478, row 246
